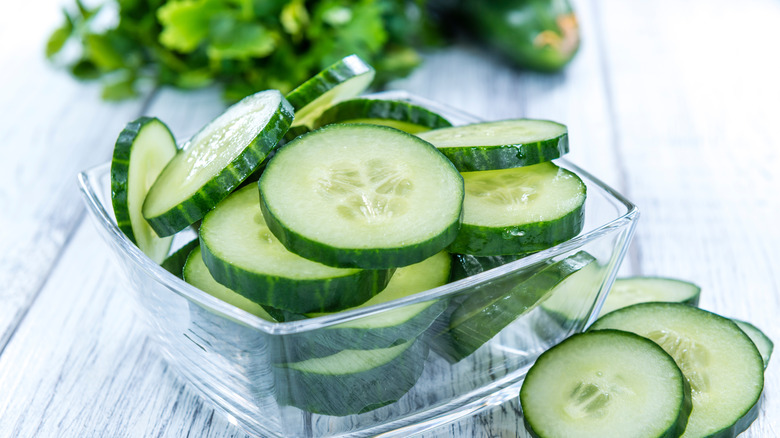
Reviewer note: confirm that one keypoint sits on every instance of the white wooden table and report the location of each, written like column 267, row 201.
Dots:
column 674, row 103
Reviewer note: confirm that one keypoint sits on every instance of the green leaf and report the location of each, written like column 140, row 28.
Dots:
column 59, row 37
column 234, row 39
column 186, row 23
column 102, row 53
column 294, row 19
column 85, row 69
column 120, row 89
column 86, row 13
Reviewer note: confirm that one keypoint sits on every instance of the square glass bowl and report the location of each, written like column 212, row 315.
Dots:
column 394, row 368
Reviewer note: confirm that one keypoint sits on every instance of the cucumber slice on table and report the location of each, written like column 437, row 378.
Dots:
column 520, row 210
column 613, row 384
column 762, row 341
column 352, row 381
column 500, row 145
column 216, row 160
column 343, row 80
column 495, row 305
column 141, row 152
column 633, row 290
column 174, row 263
column 382, row 330
column 721, row 363
column 405, row 116
column 242, row 254
column 362, row 196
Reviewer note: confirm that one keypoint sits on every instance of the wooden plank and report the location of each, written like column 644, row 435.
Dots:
column 695, row 95
column 81, row 365
column 52, row 127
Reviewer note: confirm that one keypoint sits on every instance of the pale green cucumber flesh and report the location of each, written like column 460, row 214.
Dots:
column 141, row 152
column 613, row 384
column 761, row 340
column 351, row 381
column 494, row 305
column 343, row 80
column 633, row 290
column 500, row 145
column 574, row 298
column 174, row 263
column 521, row 210
column 720, row 362
column 242, row 254
column 362, row 196
column 197, row 274
column 381, row 330
column 401, row 115
column 216, row 160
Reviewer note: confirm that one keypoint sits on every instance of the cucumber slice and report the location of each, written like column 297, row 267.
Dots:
column 381, row 330
column 500, row 145
column 721, row 363
column 175, row 262
column 497, row 304
column 141, row 152
column 573, row 299
column 614, row 384
column 464, row 265
column 405, row 116
column 362, row 196
column 196, row 274
column 352, row 381
column 520, row 210
column 343, row 80
column 242, row 254
column 216, row 160
column 762, row 341
column 633, row 290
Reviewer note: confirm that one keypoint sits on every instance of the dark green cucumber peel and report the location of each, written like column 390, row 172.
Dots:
column 710, row 368
column 320, row 84
column 577, row 385
column 486, row 312
column 520, row 239
column 219, row 187
column 120, row 166
column 338, row 394
column 175, row 262
column 503, row 156
column 296, row 295
column 379, row 110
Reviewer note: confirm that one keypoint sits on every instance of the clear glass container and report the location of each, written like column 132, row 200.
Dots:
column 384, row 369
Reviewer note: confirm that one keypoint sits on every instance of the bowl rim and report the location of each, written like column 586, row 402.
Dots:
column 98, row 210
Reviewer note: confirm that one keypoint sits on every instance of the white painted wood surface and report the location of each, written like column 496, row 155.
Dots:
column 673, row 103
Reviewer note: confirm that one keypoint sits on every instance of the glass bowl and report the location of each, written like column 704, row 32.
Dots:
column 385, row 369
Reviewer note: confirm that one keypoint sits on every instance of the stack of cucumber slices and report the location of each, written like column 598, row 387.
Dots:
column 689, row 372
column 321, row 201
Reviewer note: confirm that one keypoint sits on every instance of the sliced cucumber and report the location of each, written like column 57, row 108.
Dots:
column 381, row 330
column 174, row 263
column 574, row 298
column 613, row 384
column 343, row 80
column 242, row 254
column 500, row 145
column 464, row 265
column 352, row 381
column 405, row 116
column 196, row 274
column 721, row 363
column 362, row 196
column 141, row 152
column 762, row 341
column 633, row 290
column 495, row 305
column 216, row 160
column 521, row 210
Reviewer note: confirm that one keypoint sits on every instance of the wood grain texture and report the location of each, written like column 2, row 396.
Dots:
column 51, row 128
column 672, row 103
